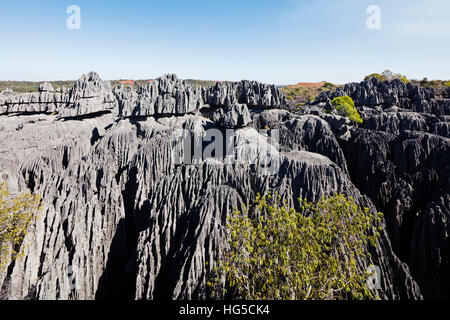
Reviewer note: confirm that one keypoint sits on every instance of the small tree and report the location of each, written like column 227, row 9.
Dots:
column 346, row 107
column 375, row 75
column 17, row 213
column 387, row 75
column 328, row 85
column 276, row 252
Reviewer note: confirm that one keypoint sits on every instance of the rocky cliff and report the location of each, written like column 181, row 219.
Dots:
column 125, row 218
column 399, row 157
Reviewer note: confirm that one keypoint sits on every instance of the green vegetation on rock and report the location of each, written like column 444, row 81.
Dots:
column 436, row 84
column 306, row 92
column 387, row 75
column 346, row 107
column 201, row 83
column 17, row 213
column 375, row 75
column 319, row 252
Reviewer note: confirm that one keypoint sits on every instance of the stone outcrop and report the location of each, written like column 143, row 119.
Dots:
column 167, row 95
column 164, row 96
column 43, row 101
column 232, row 116
column 399, row 157
column 123, row 218
column 89, row 95
column 386, row 94
column 252, row 93
column 45, row 87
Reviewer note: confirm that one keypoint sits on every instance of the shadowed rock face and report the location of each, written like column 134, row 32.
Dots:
column 123, row 219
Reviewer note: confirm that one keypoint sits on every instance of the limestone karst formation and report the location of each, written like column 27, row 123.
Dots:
column 122, row 219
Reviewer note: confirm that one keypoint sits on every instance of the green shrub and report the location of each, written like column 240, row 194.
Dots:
column 346, row 107
column 17, row 213
column 291, row 93
column 328, row 85
column 387, row 75
column 299, row 106
column 403, row 78
column 276, row 252
column 375, row 75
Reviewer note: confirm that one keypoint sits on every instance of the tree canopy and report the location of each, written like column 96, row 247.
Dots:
column 17, row 213
column 276, row 252
column 387, row 75
column 346, row 107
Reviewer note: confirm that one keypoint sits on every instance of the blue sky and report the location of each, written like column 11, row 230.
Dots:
column 274, row 41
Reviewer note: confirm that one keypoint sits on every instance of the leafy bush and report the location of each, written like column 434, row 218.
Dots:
column 276, row 252
column 17, row 213
column 346, row 107
column 291, row 93
column 403, row 78
column 387, row 75
column 306, row 92
column 375, row 75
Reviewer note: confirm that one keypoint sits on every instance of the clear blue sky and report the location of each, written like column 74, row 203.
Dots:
column 274, row 41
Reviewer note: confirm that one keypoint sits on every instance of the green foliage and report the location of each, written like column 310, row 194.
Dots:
column 403, row 79
column 375, row 75
column 32, row 86
column 17, row 213
column 276, row 252
column 298, row 106
column 291, row 93
column 430, row 83
column 346, row 107
column 387, row 75
column 304, row 93
column 438, row 86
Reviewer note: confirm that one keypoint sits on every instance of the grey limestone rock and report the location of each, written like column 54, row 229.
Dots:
column 89, row 95
column 232, row 116
column 164, row 96
column 123, row 218
column 399, row 158
column 46, row 87
column 252, row 93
